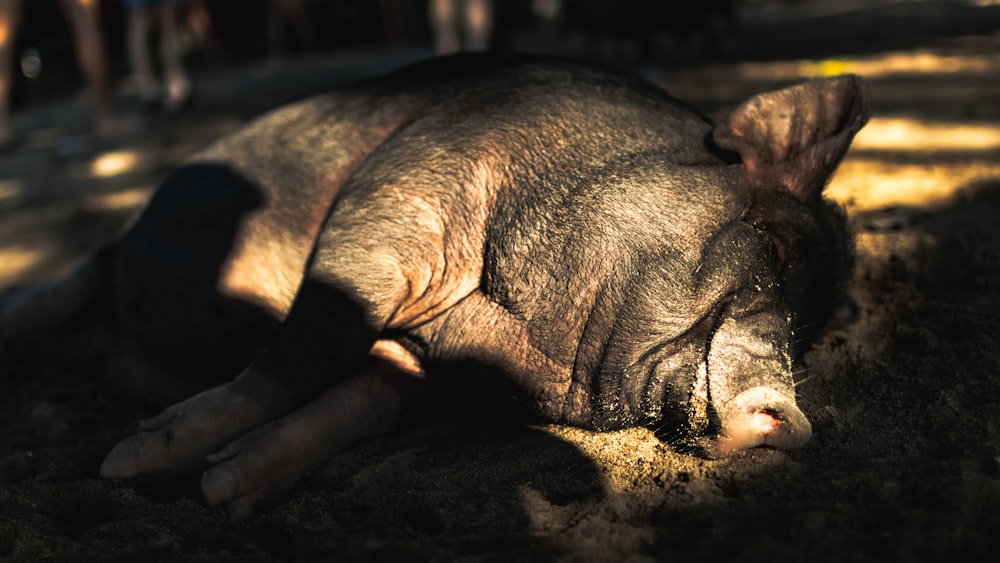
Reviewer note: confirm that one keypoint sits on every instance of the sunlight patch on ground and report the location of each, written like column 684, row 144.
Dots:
column 863, row 184
column 114, row 163
column 120, row 200
column 905, row 62
column 11, row 189
column 901, row 134
column 15, row 260
column 27, row 249
column 870, row 180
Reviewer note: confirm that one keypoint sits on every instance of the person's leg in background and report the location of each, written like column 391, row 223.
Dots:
column 138, row 23
column 176, row 82
column 10, row 18
column 283, row 12
column 199, row 19
column 478, row 21
column 85, row 19
column 461, row 25
column 444, row 24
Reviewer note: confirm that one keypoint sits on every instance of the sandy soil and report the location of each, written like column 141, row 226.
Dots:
column 903, row 391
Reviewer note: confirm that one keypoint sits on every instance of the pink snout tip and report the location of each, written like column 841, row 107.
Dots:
column 761, row 416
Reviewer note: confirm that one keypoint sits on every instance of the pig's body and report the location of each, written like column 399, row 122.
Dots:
column 575, row 231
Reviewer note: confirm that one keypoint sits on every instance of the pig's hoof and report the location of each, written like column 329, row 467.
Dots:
column 256, row 469
column 761, row 416
column 178, row 439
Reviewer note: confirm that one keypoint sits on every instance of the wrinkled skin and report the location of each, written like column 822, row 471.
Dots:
column 568, row 236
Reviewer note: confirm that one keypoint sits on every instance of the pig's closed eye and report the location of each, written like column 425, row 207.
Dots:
column 716, row 317
column 778, row 245
column 771, row 235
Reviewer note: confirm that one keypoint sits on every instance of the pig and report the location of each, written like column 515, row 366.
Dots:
column 563, row 242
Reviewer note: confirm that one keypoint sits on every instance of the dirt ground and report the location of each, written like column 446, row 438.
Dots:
column 903, row 391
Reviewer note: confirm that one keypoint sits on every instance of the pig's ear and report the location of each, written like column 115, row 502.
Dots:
column 796, row 137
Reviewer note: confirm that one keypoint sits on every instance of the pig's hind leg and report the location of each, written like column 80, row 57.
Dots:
column 170, row 290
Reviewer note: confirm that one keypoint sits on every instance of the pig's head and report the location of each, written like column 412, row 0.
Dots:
column 713, row 367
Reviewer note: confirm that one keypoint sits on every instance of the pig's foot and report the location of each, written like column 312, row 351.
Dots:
column 179, row 438
column 257, row 468
column 761, row 417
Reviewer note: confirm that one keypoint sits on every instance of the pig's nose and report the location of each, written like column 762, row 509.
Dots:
column 761, row 416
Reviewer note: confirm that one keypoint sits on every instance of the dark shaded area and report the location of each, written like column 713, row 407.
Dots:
column 858, row 29
column 168, row 294
column 396, row 498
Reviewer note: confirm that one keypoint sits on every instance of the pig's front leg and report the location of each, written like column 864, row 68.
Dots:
column 257, row 467
column 178, row 439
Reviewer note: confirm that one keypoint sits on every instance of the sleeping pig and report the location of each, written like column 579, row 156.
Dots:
column 567, row 242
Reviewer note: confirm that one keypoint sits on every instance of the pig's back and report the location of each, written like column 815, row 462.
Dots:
column 236, row 223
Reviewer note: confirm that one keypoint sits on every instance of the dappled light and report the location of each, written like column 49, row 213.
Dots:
column 905, row 161
column 908, row 63
column 17, row 259
column 117, row 201
column 25, row 250
column 114, row 163
column 10, row 191
column 863, row 184
column 915, row 134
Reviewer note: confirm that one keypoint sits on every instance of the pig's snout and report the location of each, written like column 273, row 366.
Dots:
column 761, row 416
